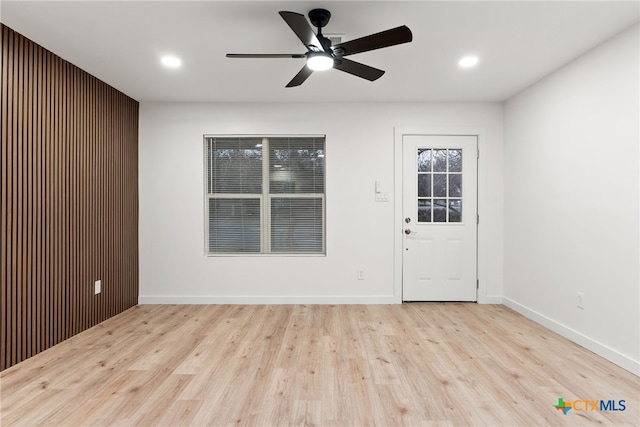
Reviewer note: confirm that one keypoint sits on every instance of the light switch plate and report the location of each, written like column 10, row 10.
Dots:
column 382, row 197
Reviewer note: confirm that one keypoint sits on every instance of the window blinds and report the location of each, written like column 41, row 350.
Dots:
column 265, row 195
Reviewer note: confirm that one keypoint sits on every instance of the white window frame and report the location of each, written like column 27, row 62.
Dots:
column 265, row 201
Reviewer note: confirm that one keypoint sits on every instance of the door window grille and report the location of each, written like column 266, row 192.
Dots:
column 439, row 185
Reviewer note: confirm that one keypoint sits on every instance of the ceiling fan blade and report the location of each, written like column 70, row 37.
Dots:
column 357, row 69
column 299, row 78
column 265, row 55
column 379, row 40
column 303, row 30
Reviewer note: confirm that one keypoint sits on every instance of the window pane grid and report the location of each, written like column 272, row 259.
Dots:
column 439, row 186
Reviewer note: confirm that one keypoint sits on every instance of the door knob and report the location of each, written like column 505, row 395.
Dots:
column 407, row 231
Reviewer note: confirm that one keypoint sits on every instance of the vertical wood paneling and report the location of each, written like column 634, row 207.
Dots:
column 69, row 200
column 4, row 259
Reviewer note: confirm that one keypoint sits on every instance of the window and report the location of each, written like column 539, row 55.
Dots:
column 265, row 195
column 439, row 185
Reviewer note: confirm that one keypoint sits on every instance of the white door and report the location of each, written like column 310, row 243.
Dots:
column 439, row 221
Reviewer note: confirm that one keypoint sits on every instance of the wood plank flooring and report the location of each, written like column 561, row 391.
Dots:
column 315, row 365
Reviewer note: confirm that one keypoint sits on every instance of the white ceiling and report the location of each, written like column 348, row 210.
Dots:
column 121, row 43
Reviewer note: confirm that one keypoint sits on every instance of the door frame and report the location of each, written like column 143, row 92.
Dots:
column 481, row 253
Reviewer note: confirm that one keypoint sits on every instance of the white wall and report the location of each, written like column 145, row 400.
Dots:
column 360, row 231
column 571, row 164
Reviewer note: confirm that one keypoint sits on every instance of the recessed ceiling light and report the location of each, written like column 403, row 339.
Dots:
column 171, row 61
column 468, row 61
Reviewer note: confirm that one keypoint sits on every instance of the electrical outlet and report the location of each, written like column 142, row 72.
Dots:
column 360, row 274
column 97, row 287
column 581, row 300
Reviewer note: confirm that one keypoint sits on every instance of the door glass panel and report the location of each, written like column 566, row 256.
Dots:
column 424, row 160
column 440, row 185
column 455, row 185
column 424, row 185
column 455, row 160
column 424, row 210
column 455, row 210
column 439, row 210
column 439, row 160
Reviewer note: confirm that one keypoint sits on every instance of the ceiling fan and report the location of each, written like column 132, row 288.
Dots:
column 322, row 56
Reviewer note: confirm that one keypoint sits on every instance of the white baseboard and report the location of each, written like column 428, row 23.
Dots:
column 598, row 348
column 381, row 299
column 356, row 299
column 489, row 299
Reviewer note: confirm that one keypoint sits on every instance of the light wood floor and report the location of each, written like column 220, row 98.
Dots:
column 347, row 365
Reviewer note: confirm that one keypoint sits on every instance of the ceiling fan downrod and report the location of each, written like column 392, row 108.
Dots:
column 319, row 18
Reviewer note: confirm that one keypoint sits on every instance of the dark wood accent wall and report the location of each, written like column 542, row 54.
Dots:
column 69, row 200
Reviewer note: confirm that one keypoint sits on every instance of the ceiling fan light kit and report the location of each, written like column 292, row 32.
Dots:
column 319, row 61
column 321, row 55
